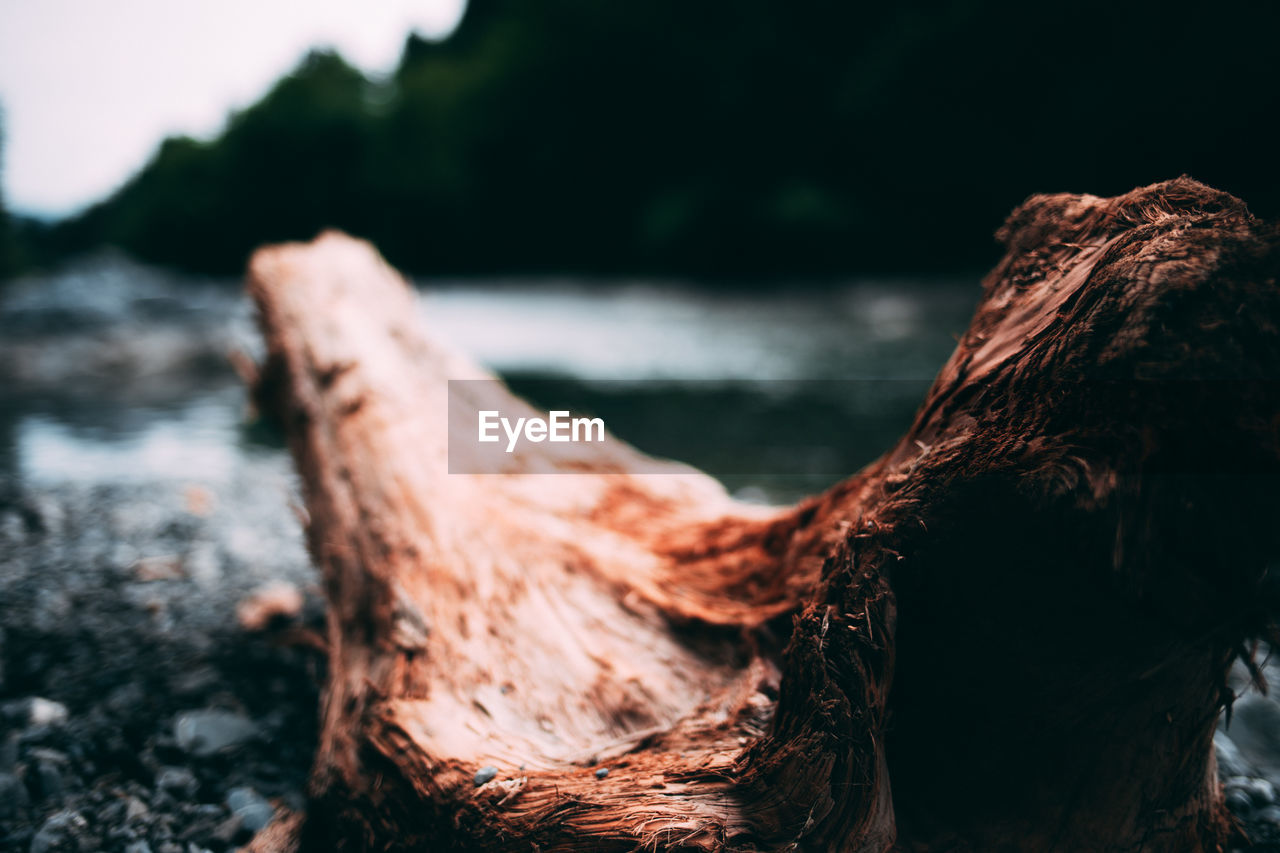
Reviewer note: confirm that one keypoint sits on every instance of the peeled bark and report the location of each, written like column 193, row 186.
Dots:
column 1022, row 614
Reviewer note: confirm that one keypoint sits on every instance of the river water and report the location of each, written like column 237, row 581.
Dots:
column 114, row 372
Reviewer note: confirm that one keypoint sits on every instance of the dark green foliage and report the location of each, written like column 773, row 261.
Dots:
column 8, row 247
column 9, row 262
column 291, row 164
column 755, row 137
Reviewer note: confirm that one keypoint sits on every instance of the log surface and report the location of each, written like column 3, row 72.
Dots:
column 1022, row 614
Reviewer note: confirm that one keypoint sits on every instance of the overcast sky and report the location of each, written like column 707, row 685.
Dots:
column 90, row 87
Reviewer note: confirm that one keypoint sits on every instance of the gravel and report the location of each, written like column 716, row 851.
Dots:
column 1247, row 745
column 136, row 714
column 249, row 808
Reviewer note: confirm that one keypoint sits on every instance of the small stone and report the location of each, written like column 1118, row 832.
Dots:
column 126, row 699
column 256, row 817
column 12, row 528
column 195, row 682
column 123, row 557
column 1238, row 802
column 60, row 834
column 485, row 774
column 116, row 833
column 45, row 514
column 167, row 567
column 248, row 805
column 205, row 733
column 240, row 797
column 227, row 830
column 199, row 500
column 50, row 779
column 52, row 611
column 204, row 565
column 1255, row 730
column 13, row 796
column 112, row 813
column 276, row 602
column 1271, row 815
column 45, row 712
column 752, row 495
column 135, row 809
column 602, row 772
column 1230, row 761
column 209, row 810
column 138, row 847
column 9, row 749
column 178, row 782
column 1260, row 792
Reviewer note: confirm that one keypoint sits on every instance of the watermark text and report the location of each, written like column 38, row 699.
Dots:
column 558, row 426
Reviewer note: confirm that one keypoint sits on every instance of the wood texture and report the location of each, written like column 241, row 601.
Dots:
column 1022, row 614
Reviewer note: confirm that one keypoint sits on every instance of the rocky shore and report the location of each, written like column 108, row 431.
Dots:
column 160, row 652
column 137, row 713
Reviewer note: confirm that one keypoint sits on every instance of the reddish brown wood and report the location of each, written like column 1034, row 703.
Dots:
column 1021, row 615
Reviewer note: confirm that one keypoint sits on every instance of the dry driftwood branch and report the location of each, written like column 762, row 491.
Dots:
column 1022, row 614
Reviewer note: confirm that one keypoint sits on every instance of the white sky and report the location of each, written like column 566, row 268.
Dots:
column 90, row 87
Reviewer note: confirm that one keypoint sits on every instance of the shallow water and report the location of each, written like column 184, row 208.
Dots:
column 117, row 373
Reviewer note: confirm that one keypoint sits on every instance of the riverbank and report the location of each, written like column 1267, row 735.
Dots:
column 139, row 509
column 136, row 709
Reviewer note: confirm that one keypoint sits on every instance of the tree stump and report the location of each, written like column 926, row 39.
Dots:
column 1022, row 614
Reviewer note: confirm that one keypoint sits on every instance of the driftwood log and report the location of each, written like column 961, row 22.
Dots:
column 1021, row 616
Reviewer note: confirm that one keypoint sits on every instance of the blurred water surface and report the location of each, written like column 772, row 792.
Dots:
column 114, row 372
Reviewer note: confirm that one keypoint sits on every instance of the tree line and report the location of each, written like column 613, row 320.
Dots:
column 714, row 139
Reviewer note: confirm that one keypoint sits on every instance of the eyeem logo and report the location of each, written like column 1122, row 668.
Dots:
column 557, row 426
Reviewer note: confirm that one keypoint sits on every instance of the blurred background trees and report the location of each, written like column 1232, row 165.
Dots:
column 746, row 138
column 9, row 261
